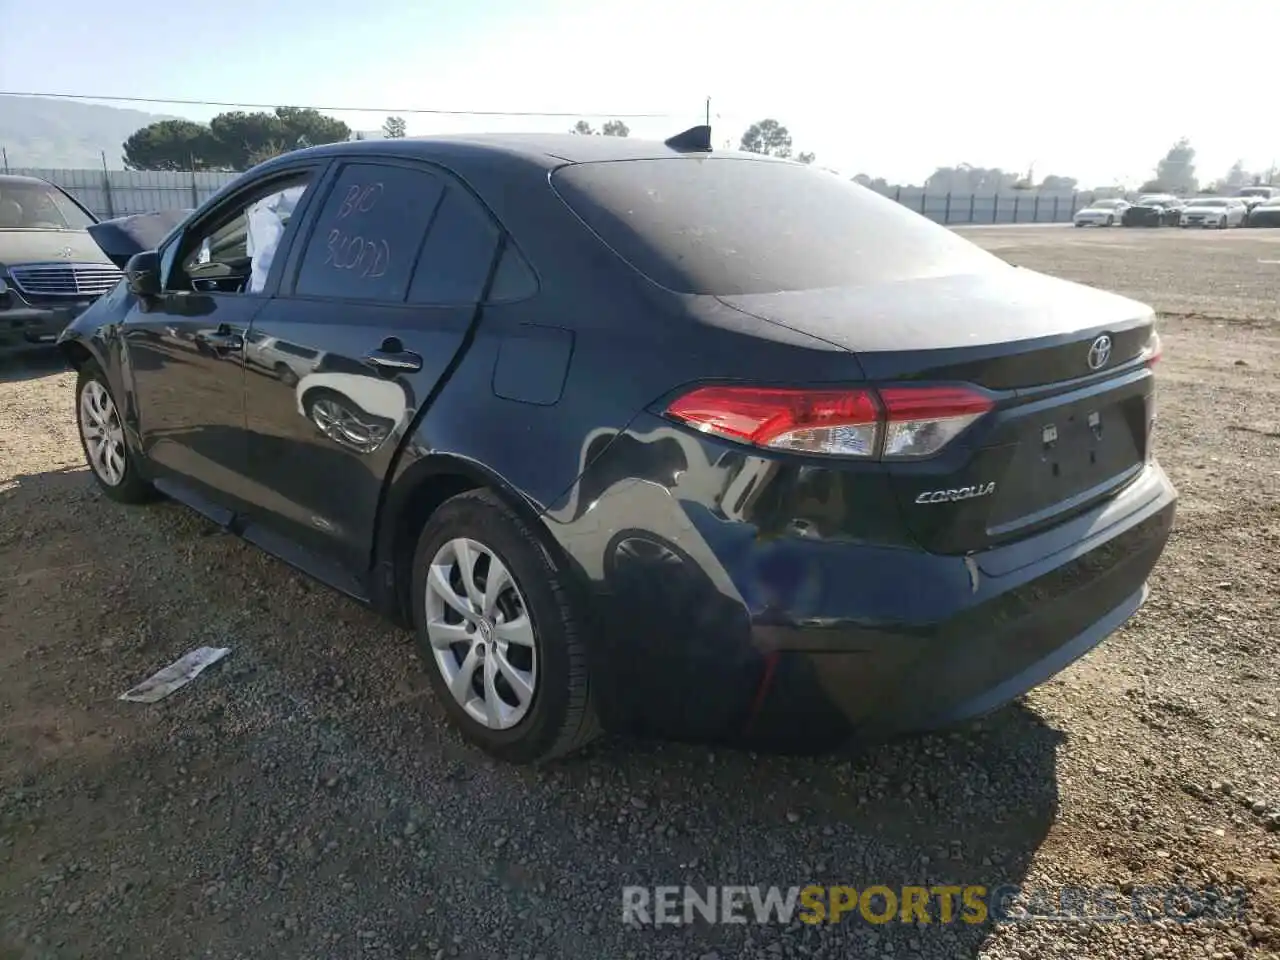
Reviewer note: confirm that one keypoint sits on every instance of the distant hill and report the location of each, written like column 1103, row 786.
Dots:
column 66, row 134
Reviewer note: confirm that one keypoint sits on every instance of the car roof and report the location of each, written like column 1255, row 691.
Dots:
column 543, row 149
column 13, row 180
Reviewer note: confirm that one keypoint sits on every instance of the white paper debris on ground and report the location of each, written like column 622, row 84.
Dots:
column 177, row 674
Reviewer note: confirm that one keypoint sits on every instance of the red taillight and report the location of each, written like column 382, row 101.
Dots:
column 1154, row 350
column 842, row 422
column 922, row 420
column 893, row 422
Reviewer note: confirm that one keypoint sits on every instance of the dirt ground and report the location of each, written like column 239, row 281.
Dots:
column 304, row 797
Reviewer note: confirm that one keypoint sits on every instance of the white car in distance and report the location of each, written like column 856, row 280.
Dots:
column 1100, row 213
column 1219, row 212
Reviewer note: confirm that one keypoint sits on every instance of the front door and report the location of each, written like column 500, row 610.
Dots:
column 388, row 284
column 185, row 349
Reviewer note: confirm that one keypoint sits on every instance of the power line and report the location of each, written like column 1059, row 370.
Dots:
column 386, row 110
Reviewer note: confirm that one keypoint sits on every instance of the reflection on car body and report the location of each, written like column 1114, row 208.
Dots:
column 287, row 361
column 359, row 411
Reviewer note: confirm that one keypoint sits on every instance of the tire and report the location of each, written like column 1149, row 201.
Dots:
column 99, row 425
column 1111, row 221
column 1078, row 224
column 284, row 373
column 1224, row 223
column 558, row 715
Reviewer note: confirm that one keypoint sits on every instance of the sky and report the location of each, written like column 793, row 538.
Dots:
column 1095, row 89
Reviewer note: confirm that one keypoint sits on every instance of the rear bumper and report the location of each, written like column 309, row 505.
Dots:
column 26, row 328
column 879, row 641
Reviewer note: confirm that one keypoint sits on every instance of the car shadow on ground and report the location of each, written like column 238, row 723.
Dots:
column 31, row 365
column 307, row 797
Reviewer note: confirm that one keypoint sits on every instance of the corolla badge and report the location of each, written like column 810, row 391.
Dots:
column 958, row 493
column 1100, row 352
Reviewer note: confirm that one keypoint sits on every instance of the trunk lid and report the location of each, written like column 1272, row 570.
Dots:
column 1069, row 427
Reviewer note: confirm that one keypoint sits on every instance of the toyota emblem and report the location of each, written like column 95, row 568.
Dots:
column 1100, row 352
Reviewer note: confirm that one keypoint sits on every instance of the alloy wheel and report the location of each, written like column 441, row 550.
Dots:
column 481, row 635
column 103, row 433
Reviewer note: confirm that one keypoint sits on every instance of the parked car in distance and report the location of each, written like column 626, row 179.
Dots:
column 1153, row 210
column 887, row 483
column 288, row 361
column 50, row 268
column 1266, row 214
column 1258, row 193
column 1220, row 212
column 1252, row 196
column 1101, row 213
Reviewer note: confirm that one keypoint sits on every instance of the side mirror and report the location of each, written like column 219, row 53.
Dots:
column 142, row 273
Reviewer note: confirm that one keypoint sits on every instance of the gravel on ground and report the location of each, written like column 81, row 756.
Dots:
column 305, row 798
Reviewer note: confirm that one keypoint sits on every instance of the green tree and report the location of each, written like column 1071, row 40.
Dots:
column 1056, row 184
column 968, row 179
column 1236, row 178
column 767, row 137
column 306, row 127
column 611, row 128
column 265, row 152
column 1176, row 171
column 231, row 141
column 170, row 145
column 394, row 128
column 805, row 157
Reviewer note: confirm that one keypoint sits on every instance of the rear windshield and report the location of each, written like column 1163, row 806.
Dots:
column 727, row 226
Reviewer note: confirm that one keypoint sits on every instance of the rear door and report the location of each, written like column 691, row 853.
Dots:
column 379, row 300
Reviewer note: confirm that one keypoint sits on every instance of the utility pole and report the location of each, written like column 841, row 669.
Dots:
column 708, row 111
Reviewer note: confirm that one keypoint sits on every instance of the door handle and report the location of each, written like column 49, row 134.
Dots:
column 398, row 361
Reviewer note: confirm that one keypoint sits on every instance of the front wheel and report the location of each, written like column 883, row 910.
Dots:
column 500, row 632
column 1111, row 221
column 103, row 441
column 1224, row 223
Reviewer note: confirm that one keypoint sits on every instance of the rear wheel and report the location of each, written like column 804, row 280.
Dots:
column 102, row 439
column 500, row 632
column 286, row 375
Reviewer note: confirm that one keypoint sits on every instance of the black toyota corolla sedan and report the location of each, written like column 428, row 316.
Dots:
column 642, row 436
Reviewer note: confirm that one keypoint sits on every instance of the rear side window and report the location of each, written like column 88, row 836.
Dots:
column 458, row 253
column 366, row 239
column 729, row 226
